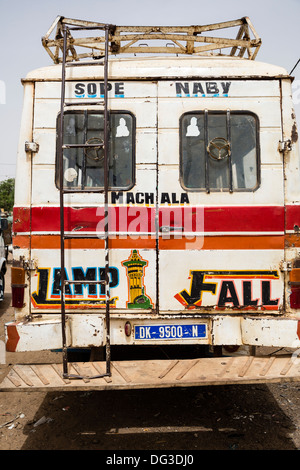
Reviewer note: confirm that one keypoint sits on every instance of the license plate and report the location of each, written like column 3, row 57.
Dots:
column 166, row 332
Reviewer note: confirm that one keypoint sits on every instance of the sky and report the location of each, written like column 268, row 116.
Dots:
column 23, row 23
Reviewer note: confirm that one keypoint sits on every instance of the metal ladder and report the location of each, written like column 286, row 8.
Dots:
column 63, row 191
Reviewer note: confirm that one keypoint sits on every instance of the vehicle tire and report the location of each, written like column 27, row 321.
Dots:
column 2, row 289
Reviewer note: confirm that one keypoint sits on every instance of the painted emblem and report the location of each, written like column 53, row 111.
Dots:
column 135, row 269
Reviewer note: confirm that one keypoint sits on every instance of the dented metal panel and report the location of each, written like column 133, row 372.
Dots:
column 141, row 327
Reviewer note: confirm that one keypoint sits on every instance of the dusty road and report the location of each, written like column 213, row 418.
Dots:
column 234, row 417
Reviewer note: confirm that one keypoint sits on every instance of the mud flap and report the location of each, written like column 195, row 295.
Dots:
column 153, row 374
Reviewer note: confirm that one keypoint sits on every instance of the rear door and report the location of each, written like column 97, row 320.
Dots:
column 221, row 196
column 132, row 196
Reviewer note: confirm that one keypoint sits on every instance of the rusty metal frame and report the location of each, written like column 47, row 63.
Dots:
column 66, row 34
column 124, row 39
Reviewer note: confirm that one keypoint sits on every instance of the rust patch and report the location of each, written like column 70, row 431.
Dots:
column 294, row 135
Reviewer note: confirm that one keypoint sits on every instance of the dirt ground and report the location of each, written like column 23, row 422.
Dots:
column 232, row 417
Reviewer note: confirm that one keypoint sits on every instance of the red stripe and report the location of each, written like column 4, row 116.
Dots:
column 142, row 219
column 293, row 217
column 21, row 219
column 248, row 219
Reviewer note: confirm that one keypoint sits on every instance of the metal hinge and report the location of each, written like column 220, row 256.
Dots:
column 285, row 146
column 30, row 265
column 285, row 266
column 31, row 147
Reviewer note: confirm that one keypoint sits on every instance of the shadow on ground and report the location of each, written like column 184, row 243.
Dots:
column 242, row 417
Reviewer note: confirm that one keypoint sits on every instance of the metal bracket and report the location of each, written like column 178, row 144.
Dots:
column 285, row 266
column 285, row 146
column 31, row 147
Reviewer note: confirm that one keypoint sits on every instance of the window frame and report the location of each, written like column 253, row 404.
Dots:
column 207, row 189
column 97, row 188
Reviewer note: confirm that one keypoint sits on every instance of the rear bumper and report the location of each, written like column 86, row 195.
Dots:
column 153, row 374
column 88, row 330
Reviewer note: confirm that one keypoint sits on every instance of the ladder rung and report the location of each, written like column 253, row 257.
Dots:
column 77, row 146
column 85, row 281
column 78, row 235
column 85, row 103
column 75, row 191
column 78, row 64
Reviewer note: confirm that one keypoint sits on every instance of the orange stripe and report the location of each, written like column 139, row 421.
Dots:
column 21, row 241
column 295, row 275
column 53, row 242
column 228, row 242
column 205, row 243
column 292, row 241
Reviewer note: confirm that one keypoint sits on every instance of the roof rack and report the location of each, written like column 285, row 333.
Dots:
column 126, row 39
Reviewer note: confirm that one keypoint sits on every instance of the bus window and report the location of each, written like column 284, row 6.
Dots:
column 84, row 167
column 219, row 151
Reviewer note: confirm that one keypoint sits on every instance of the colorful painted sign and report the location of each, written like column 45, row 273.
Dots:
column 184, row 89
column 230, row 289
column 83, row 295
